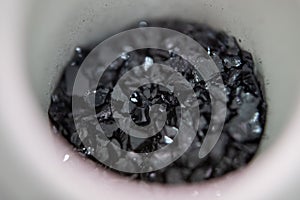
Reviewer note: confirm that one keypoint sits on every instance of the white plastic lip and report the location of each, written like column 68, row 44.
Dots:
column 66, row 179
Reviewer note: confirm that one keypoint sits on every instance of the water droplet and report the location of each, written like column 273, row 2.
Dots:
column 257, row 130
column 143, row 24
column 124, row 56
column 197, row 79
column 90, row 151
column 152, row 175
column 168, row 140
column 78, row 50
column 134, row 100
column 66, row 158
column 255, row 117
column 208, row 50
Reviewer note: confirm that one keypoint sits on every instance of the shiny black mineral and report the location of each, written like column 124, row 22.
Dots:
column 246, row 107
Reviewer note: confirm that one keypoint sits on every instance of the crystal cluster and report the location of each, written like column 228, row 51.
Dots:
column 246, row 107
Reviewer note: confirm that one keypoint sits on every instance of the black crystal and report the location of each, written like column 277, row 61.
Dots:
column 246, row 114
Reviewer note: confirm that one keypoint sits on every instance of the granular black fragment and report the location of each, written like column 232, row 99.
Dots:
column 246, row 114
